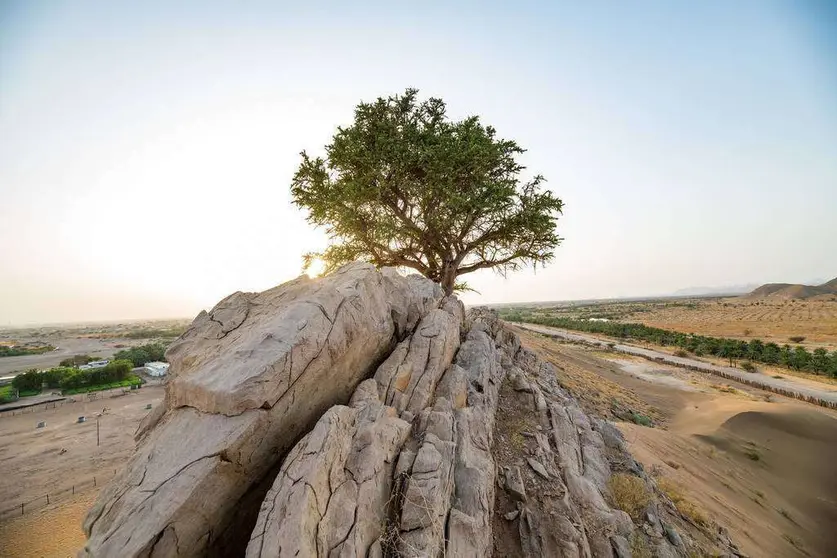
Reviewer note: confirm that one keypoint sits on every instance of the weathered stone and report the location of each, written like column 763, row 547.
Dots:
column 537, row 467
column 512, row 515
column 247, row 380
column 407, row 379
column 514, row 484
column 331, row 495
column 672, row 535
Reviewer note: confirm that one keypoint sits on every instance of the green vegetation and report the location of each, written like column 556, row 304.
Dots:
column 405, row 186
column 155, row 333
column 73, row 380
column 641, row 420
column 76, row 360
column 6, row 351
column 127, row 382
column 798, row 358
column 748, row 366
column 7, row 394
column 150, row 352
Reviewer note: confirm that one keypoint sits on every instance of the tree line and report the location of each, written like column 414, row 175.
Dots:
column 819, row 361
column 65, row 377
column 6, row 351
column 151, row 352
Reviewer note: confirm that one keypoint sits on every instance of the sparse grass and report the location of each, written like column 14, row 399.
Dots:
column 673, row 464
column 786, row 514
column 686, row 507
column 796, row 543
column 639, row 546
column 681, row 353
column 752, row 454
column 629, row 494
column 748, row 366
column 641, row 420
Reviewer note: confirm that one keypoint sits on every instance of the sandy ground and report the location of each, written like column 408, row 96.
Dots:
column 34, row 463
column 739, row 318
column 53, row 532
column 762, row 469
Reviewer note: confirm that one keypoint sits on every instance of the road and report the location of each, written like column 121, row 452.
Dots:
column 826, row 396
column 67, row 347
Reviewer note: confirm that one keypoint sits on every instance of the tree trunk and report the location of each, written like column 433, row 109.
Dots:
column 448, row 278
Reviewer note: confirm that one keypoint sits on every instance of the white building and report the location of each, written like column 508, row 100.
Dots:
column 94, row 364
column 156, row 368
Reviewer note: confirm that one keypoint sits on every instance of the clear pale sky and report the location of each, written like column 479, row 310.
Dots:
column 146, row 149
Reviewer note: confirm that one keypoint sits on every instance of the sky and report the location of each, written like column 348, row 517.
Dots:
column 146, row 149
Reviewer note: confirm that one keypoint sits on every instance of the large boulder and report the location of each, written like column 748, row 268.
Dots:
column 248, row 379
column 330, row 498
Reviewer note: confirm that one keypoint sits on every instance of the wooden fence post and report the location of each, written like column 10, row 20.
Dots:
column 47, row 497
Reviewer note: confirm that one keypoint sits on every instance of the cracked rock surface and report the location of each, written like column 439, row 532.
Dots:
column 365, row 415
column 247, row 380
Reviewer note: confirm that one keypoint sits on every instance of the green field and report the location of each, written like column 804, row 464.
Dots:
column 127, row 382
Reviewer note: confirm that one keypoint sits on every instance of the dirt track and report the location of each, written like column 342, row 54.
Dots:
column 825, row 396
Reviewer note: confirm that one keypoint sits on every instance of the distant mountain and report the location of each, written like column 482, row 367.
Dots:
column 727, row 290
column 788, row 291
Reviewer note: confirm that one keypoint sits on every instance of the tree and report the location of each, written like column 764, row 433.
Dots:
column 405, row 186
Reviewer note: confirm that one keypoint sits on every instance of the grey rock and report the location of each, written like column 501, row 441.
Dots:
column 247, row 380
column 331, row 495
column 538, row 468
column 621, row 547
column 672, row 535
column 512, row 515
column 407, row 379
column 514, row 484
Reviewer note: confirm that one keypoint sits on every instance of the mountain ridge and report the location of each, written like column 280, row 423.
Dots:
column 793, row 291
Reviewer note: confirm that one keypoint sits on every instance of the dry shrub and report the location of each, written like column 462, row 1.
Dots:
column 639, row 546
column 686, row 507
column 629, row 494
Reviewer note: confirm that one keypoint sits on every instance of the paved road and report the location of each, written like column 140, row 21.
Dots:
column 67, row 347
column 825, row 396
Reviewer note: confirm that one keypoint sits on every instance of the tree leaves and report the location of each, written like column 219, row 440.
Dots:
column 405, row 186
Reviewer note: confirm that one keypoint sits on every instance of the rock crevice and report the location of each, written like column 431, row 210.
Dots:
column 362, row 415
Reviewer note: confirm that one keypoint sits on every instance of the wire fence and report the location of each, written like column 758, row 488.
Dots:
column 79, row 398
column 58, row 495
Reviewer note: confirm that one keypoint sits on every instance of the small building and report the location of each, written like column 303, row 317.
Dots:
column 156, row 369
column 94, row 364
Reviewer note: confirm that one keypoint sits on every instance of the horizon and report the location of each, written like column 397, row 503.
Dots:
column 146, row 152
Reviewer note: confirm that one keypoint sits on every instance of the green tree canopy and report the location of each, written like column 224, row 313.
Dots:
column 405, row 186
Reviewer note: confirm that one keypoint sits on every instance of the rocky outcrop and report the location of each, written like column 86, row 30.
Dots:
column 331, row 495
column 365, row 415
column 247, row 380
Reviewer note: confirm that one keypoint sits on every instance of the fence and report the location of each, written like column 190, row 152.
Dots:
column 79, row 398
column 58, row 495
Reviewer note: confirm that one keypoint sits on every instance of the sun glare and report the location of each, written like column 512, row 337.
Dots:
column 316, row 268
